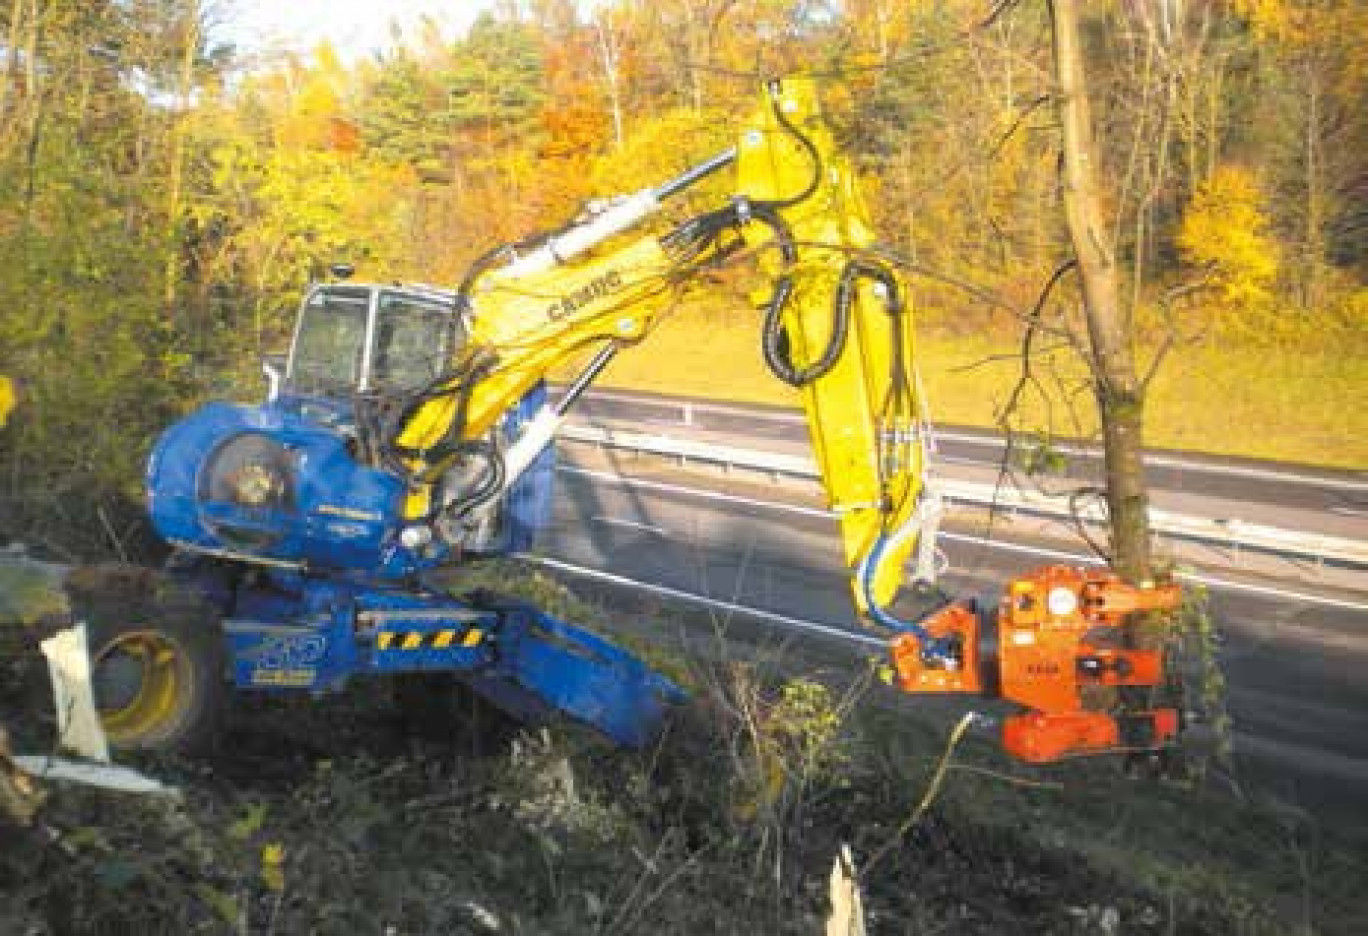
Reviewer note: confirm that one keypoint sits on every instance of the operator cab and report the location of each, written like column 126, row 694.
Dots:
column 371, row 339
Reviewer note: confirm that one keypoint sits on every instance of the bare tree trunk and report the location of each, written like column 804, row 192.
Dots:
column 610, row 47
column 175, row 181
column 1120, row 393
column 11, row 76
column 1315, row 202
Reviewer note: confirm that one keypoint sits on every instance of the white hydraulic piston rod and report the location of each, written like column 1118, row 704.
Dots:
column 536, row 435
column 616, row 217
column 542, row 428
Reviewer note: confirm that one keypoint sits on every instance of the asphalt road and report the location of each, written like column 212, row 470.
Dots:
column 1294, row 664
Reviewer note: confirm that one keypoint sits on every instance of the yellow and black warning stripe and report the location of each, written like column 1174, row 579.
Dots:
column 428, row 640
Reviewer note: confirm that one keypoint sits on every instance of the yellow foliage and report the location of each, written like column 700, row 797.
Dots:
column 807, row 721
column 1307, row 24
column 1351, row 310
column 273, row 867
column 7, row 397
column 1279, row 19
column 795, row 741
column 1225, row 230
column 663, row 147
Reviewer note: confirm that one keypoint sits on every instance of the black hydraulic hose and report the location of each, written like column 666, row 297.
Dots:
column 856, row 269
column 778, row 350
column 482, row 265
column 776, row 347
column 393, row 454
column 478, row 368
column 774, row 340
column 765, row 213
column 492, row 483
column 803, row 141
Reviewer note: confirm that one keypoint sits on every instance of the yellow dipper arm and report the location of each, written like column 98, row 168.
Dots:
column 862, row 413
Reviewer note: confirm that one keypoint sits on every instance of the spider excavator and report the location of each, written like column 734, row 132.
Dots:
column 410, row 428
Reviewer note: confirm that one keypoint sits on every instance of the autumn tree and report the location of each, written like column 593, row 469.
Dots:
column 289, row 190
column 90, row 252
column 1225, row 234
column 1314, row 78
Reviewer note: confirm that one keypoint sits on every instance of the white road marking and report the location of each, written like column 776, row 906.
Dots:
column 1211, row 581
column 629, row 524
column 1200, row 578
column 828, row 630
column 1173, row 461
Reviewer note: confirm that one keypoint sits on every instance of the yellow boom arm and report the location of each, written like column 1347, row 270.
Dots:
column 837, row 326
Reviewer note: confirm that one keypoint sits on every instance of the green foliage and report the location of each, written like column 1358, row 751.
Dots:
column 1196, row 661
column 805, row 728
column 1037, row 454
column 407, row 117
column 496, row 83
column 788, row 742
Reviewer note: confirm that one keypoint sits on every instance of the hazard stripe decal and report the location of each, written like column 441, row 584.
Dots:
column 425, row 640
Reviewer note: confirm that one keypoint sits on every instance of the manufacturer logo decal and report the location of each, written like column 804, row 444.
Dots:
column 285, row 678
column 288, row 652
column 592, row 291
column 350, row 513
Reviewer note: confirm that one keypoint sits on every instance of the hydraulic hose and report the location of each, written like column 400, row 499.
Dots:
column 482, row 265
column 933, row 648
column 806, row 143
column 774, row 338
column 491, row 485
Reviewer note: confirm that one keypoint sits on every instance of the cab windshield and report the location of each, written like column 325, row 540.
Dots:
column 414, row 338
column 329, row 346
column 413, row 341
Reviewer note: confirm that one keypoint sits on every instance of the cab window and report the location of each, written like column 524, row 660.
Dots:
column 414, row 341
column 331, row 341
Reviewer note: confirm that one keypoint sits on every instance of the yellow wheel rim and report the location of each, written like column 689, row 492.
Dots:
column 162, row 683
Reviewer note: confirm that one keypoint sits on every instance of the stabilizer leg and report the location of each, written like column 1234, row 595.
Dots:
column 573, row 671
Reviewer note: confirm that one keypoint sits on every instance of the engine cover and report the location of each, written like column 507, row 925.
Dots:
column 265, row 483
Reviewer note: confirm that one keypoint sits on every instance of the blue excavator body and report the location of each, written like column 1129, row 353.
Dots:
column 299, row 543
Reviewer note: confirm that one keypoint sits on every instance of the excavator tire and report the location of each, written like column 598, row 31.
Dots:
column 157, row 659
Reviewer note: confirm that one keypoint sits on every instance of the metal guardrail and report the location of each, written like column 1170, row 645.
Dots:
column 1235, row 534
column 695, row 413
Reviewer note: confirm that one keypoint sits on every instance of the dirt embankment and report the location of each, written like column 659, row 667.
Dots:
column 339, row 816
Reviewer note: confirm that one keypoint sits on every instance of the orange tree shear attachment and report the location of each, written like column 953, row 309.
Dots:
column 1065, row 641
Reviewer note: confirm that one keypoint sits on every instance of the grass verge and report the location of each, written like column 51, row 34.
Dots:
column 1294, row 402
